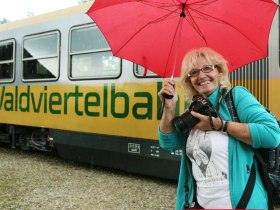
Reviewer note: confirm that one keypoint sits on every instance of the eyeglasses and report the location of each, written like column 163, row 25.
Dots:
column 204, row 69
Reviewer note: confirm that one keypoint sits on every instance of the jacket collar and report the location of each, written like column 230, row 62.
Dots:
column 214, row 97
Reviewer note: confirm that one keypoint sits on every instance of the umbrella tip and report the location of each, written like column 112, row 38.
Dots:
column 183, row 14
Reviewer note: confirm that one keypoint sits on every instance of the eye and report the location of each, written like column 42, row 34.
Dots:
column 207, row 68
column 194, row 72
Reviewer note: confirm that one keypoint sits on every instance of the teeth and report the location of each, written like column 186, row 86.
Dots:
column 204, row 83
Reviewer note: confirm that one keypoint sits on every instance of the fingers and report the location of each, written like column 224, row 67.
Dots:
column 168, row 88
column 197, row 115
column 204, row 122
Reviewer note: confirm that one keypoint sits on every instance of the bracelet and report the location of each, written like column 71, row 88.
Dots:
column 225, row 127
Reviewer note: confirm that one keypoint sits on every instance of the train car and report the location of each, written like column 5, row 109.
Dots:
column 61, row 88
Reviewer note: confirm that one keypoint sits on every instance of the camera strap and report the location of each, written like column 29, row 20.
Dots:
column 211, row 121
column 223, row 93
column 215, row 110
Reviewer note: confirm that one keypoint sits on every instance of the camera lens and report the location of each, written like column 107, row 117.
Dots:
column 185, row 122
column 200, row 104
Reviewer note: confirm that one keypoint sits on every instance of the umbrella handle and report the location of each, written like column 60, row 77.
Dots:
column 167, row 96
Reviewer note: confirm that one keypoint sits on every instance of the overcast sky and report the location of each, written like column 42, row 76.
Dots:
column 18, row 9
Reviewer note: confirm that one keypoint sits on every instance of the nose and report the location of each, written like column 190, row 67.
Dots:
column 201, row 74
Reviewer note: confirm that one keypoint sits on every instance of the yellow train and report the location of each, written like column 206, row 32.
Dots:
column 61, row 88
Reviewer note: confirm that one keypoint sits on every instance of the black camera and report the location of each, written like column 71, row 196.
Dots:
column 199, row 104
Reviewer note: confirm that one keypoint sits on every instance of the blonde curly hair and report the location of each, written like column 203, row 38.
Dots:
column 190, row 61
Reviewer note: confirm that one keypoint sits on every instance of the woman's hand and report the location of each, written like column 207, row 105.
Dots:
column 166, row 123
column 168, row 89
column 204, row 123
column 238, row 130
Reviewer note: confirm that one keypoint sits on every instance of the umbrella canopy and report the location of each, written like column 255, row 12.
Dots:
column 158, row 33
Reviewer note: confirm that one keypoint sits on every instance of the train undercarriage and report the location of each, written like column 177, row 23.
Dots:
column 26, row 138
column 139, row 156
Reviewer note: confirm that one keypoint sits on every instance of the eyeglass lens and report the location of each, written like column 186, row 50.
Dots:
column 204, row 69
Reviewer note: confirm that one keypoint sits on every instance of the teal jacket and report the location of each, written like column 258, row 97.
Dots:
column 264, row 131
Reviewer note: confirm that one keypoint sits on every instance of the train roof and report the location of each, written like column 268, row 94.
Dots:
column 79, row 9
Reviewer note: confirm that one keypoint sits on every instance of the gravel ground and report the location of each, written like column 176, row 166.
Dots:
column 32, row 180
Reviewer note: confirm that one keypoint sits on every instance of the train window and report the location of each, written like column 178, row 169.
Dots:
column 139, row 71
column 90, row 55
column 7, row 60
column 41, row 56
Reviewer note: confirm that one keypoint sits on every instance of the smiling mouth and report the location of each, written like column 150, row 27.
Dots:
column 205, row 82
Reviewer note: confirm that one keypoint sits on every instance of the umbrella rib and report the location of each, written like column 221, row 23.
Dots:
column 203, row 2
column 163, row 7
column 177, row 48
column 158, row 5
column 195, row 26
column 268, row 1
column 214, row 19
column 175, row 34
column 142, row 28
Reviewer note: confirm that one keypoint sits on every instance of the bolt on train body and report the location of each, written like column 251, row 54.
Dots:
column 61, row 88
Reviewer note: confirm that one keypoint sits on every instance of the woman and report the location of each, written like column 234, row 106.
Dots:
column 219, row 156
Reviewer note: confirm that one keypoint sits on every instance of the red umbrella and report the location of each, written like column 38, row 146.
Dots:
column 157, row 33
